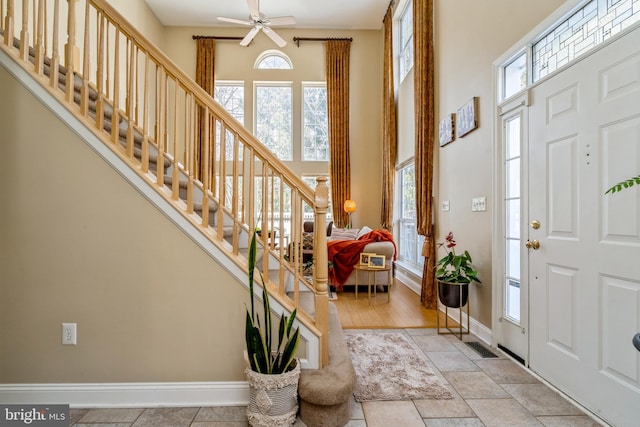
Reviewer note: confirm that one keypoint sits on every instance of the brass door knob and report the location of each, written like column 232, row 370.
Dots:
column 532, row 244
column 535, row 224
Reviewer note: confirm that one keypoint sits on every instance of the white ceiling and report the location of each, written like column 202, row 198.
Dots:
column 331, row 14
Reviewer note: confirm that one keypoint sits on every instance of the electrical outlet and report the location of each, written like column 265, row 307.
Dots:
column 445, row 206
column 479, row 204
column 69, row 333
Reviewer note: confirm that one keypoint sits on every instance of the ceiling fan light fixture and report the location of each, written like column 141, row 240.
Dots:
column 260, row 22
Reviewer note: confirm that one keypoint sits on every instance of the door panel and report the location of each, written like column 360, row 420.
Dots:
column 584, row 279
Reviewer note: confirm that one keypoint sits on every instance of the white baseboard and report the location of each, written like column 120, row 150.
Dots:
column 408, row 279
column 129, row 395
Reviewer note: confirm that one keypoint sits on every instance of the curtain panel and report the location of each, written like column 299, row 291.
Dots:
column 205, row 61
column 425, row 139
column 337, row 75
column 389, row 138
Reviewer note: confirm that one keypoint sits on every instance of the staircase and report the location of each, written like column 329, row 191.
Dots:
column 179, row 140
column 198, row 158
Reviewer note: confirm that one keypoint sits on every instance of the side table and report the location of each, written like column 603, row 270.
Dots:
column 373, row 270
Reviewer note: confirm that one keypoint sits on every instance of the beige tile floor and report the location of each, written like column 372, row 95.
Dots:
column 488, row 392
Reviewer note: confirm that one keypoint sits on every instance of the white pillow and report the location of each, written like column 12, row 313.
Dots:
column 343, row 234
column 364, row 230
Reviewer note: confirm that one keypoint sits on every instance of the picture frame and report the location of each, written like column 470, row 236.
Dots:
column 467, row 117
column 447, row 129
column 364, row 258
column 376, row 261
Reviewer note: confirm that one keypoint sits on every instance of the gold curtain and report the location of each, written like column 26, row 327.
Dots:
column 337, row 75
column 205, row 60
column 389, row 142
column 425, row 139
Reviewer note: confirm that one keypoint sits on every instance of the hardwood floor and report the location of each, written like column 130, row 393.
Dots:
column 404, row 310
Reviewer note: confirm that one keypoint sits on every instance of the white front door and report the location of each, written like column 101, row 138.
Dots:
column 584, row 278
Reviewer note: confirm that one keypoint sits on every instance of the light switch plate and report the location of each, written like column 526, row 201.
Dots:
column 479, row 204
column 445, row 206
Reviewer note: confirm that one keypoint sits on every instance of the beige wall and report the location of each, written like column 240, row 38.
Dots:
column 79, row 244
column 469, row 36
column 143, row 19
column 234, row 62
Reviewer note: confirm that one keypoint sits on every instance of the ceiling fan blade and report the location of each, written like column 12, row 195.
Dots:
column 282, row 20
column 254, row 11
column 274, row 36
column 250, row 35
column 234, row 21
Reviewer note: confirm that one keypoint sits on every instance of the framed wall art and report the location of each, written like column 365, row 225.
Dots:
column 467, row 117
column 447, row 129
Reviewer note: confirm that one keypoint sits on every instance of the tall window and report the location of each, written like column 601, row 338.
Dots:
column 409, row 242
column 315, row 130
column 274, row 118
column 231, row 96
column 512, row 137
column 406, row 40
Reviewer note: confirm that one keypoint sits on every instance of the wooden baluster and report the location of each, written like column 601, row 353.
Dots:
column 162, row 127
column 250, row 185
column 145, row 120
column 129, row 98
column 70, row 51
column 280, row 242
column 54, row 67
column 39, row 47
column 205, row 176
column 191, row 160
column 100, row 59
column 222, row 178
column 86, row 58
column 175, row 177
column 8, row 24
column 24, row 32
column 320, row 272
column 234, row 194
column 264, row 225
column 115, row 116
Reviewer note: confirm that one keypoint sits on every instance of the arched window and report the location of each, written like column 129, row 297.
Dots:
column 273, row 60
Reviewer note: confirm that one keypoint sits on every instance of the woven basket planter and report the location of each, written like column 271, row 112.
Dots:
column 273, row 399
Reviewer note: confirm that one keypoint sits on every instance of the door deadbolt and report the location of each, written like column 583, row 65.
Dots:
column 535, row 224
column 533, row 244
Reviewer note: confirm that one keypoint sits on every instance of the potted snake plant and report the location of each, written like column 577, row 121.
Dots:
column 273, row 370
column 454, row 273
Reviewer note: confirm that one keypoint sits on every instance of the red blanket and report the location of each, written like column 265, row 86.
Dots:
column 345, row 254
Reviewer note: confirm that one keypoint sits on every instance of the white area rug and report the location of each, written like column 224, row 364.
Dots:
column 390, row 367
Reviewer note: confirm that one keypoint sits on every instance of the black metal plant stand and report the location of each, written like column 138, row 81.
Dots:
column 462, row 289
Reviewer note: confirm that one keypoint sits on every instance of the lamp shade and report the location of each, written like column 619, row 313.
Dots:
column 349, row 206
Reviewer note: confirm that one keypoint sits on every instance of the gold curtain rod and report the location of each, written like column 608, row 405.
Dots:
column 217, row 37
column 319, row 39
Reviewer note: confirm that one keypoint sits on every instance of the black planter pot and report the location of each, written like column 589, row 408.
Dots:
column 454, row 295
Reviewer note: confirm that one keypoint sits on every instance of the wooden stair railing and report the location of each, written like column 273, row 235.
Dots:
column 160, row 122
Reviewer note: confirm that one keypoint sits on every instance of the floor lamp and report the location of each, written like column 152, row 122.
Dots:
column 349, row 207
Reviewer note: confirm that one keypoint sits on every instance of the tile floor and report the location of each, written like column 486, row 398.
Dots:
column 488, row 392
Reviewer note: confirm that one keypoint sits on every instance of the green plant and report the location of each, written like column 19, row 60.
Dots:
column 263, row 358
column 624, row 184
column 453, row 268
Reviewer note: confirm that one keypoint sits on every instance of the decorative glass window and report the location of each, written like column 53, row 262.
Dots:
column 406, row 40
column 273, row 60
column 595, row 22
column 274, row 118
column 409, row 242
column 315, row 129
column 514, row 76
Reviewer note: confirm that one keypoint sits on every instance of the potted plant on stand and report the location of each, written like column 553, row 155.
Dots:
column 454, row 273
column 273, row 370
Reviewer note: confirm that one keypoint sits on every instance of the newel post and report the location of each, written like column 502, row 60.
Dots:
column 321, row 270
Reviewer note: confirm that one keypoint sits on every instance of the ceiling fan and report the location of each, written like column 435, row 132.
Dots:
column 260, row 22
